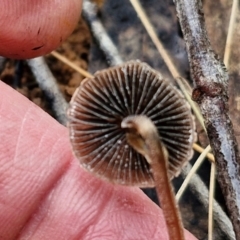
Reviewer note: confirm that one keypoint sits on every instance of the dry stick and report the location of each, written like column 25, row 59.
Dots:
column 48, row 84
column 211, row 83
column 211, row 188
column 213, row 166
column 196, row 183
column 143, row 137
column 192, row 172
column 199, row 149
column 71, row 64
column 230, row 33
column 99, row 32
column 211, row 194
column 211, row 197
column 186, row 181
column 200, row 191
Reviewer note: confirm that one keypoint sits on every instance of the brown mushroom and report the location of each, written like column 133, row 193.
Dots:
column 143, row 136
column 113, row 115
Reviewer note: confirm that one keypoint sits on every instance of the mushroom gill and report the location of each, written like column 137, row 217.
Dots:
column 101, row 103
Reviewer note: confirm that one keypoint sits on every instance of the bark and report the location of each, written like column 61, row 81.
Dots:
column 211, row 93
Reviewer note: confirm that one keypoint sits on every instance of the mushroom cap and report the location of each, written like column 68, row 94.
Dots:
column 101, row 103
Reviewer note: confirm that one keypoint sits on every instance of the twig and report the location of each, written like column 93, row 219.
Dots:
column 199, row 149
column 230, row 33
column 99, row 32
column 199, row 189
column 211, row 201
column 150, row 30
column 48, row 84
column 194, row 169
column 71, row 64
column 211, row 83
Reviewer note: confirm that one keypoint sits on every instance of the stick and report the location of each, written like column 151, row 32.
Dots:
column 210, row 93
column 48, row 84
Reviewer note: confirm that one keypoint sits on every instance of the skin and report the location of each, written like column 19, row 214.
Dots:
column 33, row 28
column 44, row 193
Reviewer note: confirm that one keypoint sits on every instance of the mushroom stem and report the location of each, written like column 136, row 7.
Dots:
column 143, row 136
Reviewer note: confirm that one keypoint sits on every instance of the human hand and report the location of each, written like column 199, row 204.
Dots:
column 45, row 194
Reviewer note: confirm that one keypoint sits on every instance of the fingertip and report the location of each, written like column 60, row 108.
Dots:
column 30, row 29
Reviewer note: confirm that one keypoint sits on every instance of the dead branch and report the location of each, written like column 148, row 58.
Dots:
column 48, row 84
column 100, row 34
column 211, row 83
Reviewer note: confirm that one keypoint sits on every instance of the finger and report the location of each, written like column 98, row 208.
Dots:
column 44, row 194
column 33, row 28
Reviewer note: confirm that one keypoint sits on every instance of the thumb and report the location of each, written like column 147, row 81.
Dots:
column 33, row 28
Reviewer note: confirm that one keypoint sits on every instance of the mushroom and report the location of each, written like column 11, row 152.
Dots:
column 132, row 127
